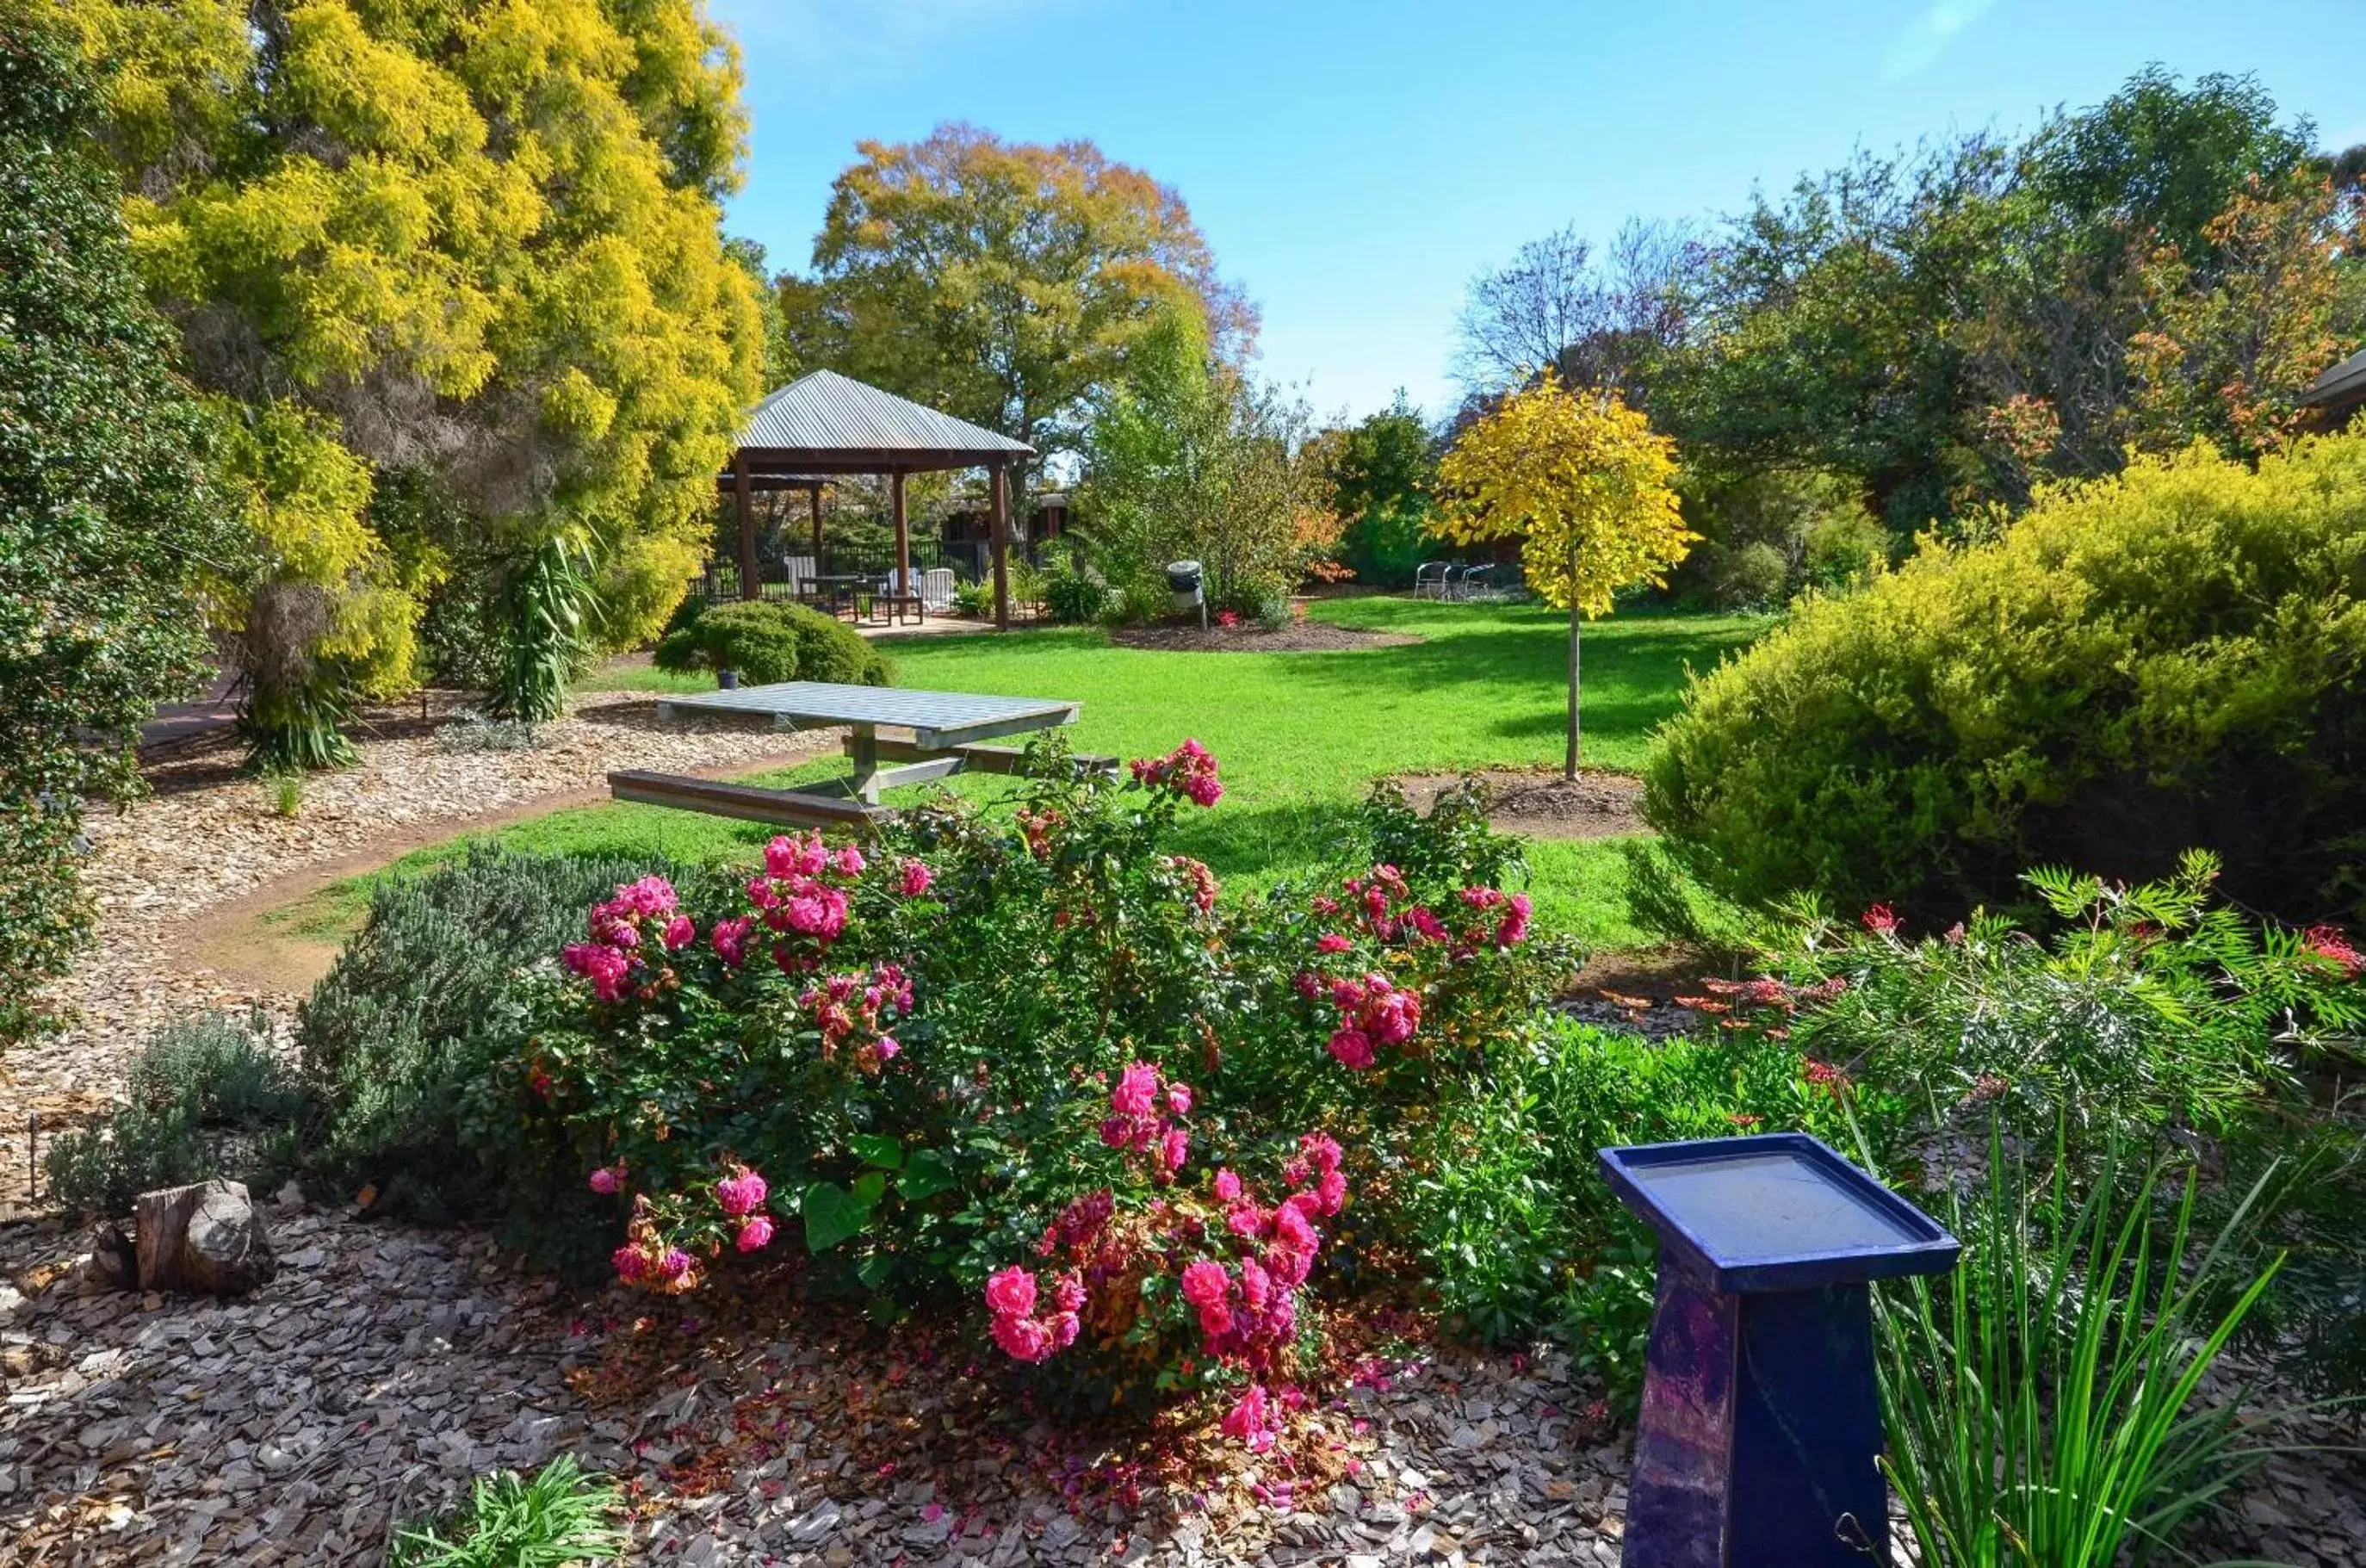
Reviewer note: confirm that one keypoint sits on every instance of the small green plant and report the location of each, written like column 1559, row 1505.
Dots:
column 2040, row 1402
column 560, row 1519
column 975, row 599
column 284, row 794
column 204, row 1098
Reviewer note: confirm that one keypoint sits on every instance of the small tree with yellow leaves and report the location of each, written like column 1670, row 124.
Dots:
column 1583, row 481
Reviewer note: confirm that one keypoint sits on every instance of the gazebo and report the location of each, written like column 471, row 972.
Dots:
column 824, row 425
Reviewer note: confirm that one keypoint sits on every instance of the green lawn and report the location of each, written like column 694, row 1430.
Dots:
column 1300, row 736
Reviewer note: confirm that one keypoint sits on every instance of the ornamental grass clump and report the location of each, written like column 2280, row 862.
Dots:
column 2043, row 1402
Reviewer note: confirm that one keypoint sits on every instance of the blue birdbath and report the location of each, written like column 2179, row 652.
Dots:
column 1761, row 1427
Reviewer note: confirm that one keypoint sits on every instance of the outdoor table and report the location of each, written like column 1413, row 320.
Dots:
column 940, row 723
column 1760, row 1441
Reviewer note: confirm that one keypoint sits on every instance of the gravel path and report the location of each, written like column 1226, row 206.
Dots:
column 388, row 1364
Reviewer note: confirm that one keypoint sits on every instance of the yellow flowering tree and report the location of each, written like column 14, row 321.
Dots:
column 455, row 276
column 1586, row 486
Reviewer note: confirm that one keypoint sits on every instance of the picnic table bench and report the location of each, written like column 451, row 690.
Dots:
column 950, row 732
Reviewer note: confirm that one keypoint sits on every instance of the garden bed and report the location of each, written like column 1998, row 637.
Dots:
column 1544, row 805
column 1298, row 637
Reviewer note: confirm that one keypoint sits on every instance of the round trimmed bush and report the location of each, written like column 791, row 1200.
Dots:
column 766, row 641
column 2169, row 657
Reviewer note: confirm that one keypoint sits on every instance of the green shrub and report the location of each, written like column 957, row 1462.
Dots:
column 974, row 598
column 421, row 1000
column 756, row 638
column 2131, row 1011
column 1748, row 577
column 1842, row 548
column 204, row 1098
column 1075, row 599
column 2167, row 659
column 829, row 650
column 768, row 640
column 921, row 1055
column 107, row 507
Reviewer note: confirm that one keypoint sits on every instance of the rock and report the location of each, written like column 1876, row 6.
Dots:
column 112, row 1260
column 204, row 1237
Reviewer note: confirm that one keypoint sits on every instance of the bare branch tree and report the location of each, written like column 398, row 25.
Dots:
column 1597, row 322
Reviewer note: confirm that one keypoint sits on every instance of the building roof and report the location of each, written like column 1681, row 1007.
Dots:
column 2345, row 382
column 826, row 423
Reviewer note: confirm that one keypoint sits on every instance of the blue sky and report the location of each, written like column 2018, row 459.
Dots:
column 1353, row 165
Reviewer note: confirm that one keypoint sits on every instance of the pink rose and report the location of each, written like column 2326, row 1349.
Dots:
column 1227, row 1186
column 1011, row 1292
column 677, row 933
column 1332, row 942
column 1251, row 1421
column 1205, row 1283
column 605, row 1182
column 1135, row 1090
column 674, row 1264
column 756, row 1233
column 1023, row 1338
column 631, row 1263
column 888, row 1048
column 848, row 860
column 1178, row 1100
column 731, row 939
column 916, row 878
column 1353, row 1049
column 741, row 1192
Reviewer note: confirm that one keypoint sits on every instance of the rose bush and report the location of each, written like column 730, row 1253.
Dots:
column 1031, row 1061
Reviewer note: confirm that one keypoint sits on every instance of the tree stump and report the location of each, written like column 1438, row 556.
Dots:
column 204, row 1237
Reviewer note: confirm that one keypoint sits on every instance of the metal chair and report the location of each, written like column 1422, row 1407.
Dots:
column 1429, row 579
column 1479, row 582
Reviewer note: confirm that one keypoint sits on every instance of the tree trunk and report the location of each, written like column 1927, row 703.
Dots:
column 1569, row 769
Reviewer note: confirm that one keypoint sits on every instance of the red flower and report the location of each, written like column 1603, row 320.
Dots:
column 1880, row 920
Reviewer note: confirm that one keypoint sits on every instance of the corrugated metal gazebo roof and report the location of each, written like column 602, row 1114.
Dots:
column 2345, row 382
column 824, row 422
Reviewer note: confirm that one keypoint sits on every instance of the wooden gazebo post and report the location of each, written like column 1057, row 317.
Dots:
column 813, row 500
column 998, row 483
column 748, row 587
column 903, row 585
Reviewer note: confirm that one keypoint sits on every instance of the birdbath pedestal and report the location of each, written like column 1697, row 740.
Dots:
column 1761, row 1434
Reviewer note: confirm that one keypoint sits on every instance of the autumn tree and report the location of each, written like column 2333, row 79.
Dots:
column 455, row 278
column 107, row 512
column 1002, row 282
column 1586, row 485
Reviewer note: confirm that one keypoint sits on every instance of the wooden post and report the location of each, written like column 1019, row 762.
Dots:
column 903, row 585
column 749, row 587
column 1000, row 486
column 813, row 499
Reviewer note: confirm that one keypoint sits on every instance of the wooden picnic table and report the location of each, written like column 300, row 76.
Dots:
column 941, row 723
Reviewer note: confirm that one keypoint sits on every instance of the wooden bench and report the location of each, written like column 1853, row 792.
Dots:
column 750, row 802
column 978, row 757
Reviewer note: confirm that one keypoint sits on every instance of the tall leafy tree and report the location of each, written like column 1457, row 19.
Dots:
column 107, row 512
column 1187, row 458
column 469, row 252
column 1381, row 470
column 1586, row 485
column 1003, row 282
